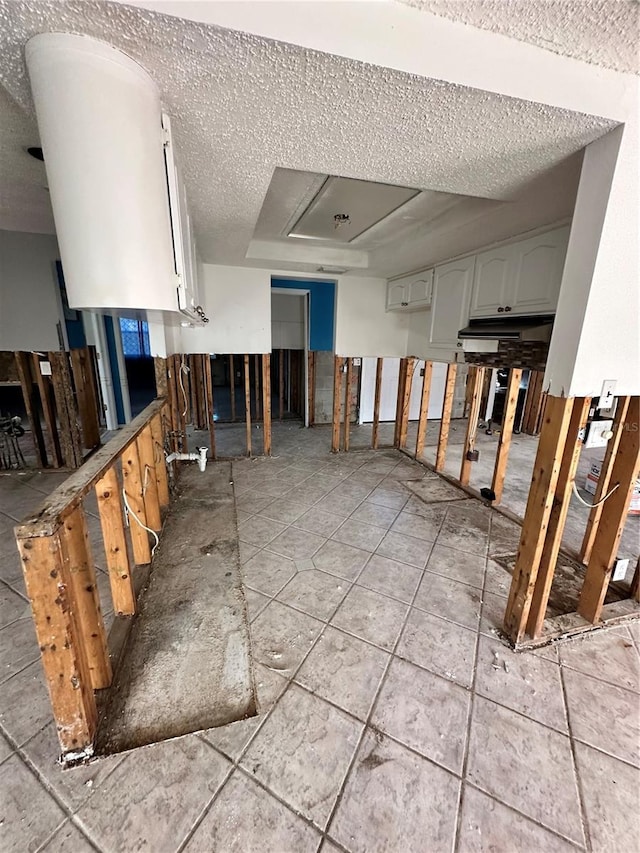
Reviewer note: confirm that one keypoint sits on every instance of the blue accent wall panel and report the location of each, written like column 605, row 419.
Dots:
column 322, row 302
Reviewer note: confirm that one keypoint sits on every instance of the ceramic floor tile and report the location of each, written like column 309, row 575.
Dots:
column 435, row 490
column 323, row 482
column 273, row 487
column 611, row 657
column 371, row 513
column 18, row 647
column 296, row 544
column 359, row 535
column 416, row 506
column 29, row 813
column 393, row 497
column 449, row 599
column 247, row 819
column 395, row 801
column 591, row 702
column 302, row 753
column 320, row 522
column 371, row 616
column 390, row 577
column 488, row 825
column 242, row 515
column 341, row 560
column 12, row 606
column 407, row 549
column 256, row 602
column 492, row 614
column 281, row 637
column 5, row 749
column 316, row 593
column 153, row 797
column 497, row 579
column 259, row 531
column 339, row 505
column 24, row 703
column 418, row 526
column 425, row 713
column 523, row 682
column 270, row 685
column 344, row 670
column 525, row 765
column 505, row 536
column 283, row 510
column 232, row 739
column 68, row 839
column 252, row 502
column 465, row 529
column 267, row 572
column 610, row 793
column 458, row 565
column 439, row 646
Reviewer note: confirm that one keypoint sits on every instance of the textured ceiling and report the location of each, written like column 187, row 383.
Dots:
column 602, row 32
column 243, row 105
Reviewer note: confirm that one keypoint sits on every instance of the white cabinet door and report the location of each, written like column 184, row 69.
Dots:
column 450, row 303
column 419, row 291
column 491, row 282
column 538, row 266
column 396, row 295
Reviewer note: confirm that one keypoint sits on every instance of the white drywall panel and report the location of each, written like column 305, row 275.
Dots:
column 363, row 326
column 237, row 301
column 389, row 390
column 29, row 300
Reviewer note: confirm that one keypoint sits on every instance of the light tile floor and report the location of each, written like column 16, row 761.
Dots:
column 392, row 718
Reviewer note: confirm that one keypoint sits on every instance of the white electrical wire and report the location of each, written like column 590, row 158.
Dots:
column 129, row 512
column 183, row 369
column 600, row 502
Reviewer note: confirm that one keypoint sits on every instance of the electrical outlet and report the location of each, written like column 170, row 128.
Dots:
column 620, row 569
column 607, row 394
column 598, row 434
column 357, row 362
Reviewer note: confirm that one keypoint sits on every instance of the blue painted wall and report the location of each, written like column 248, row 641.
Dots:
column 322, row 302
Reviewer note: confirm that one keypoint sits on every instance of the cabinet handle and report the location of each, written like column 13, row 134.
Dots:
column 404, row 304
column 459, row 344
column 500, row 310
column 508, row 308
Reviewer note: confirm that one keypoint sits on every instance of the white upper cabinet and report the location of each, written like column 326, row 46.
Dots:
column 450, row 303
column 520, row 278
column 411, row 293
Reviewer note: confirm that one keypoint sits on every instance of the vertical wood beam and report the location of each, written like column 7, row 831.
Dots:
column 150, row 498
column 69, row 428
column 160, row 371
column 247, row 402
column 82, row 573
column 281, row 383
column 208, row 381
column 266, row 403
column 402, row 372
column 534, row 528
column 45, row 566
column 558, row 516
column 256, row 380
column 347, row 405
column 312, row 388
column 424, row 408
column 48, row 411
column 476, row 382
column 23, row 366
column 87, row 401
column 183, row 402
column 193, row 390
column 232, row 388
column 162, row 482
column 605, row 478
column 375, row 429
column 338, row 362
column 506, row 431
column 445, row 420
column 115, row 543
column 626, row 469
column 172, row 388
column 410, row 365
column 132, row 477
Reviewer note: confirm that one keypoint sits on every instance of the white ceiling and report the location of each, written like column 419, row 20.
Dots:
column 243, row 106
column 602, row 32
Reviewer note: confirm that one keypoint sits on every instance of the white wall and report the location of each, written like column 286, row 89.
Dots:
column 29, row 302
column 389, row 390
column 237, row 301
column 363, row 326
column 287, row 320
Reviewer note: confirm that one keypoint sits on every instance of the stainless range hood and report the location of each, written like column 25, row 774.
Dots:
column 532, row 328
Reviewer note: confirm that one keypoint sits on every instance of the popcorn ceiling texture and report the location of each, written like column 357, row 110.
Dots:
column 242, row 105
column 602, row 32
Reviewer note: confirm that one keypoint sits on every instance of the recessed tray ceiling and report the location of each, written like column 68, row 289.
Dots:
column 358, row 204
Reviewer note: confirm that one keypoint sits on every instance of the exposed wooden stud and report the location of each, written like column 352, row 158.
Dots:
column 626, row 468
column 247, row 402
column 558, row 516
column 281, row 384
column 424, row 408
column 543, row 486
column 162, row 482
column 634, row 589
column 256, row 380
column 191, row 379
column 208, row 382
column 445, row 421
column 266, row 403
column 82, row 573
column 347, row 404
column 410, row 365
column 375, row 429
column 44, row 387
column 605, row 478
column 533, row 403
column 232, row 387
column 115, row 543
column 506, row 431
column 132, row 476
column 150, row 496
column 311, row 378
column 338, row 363
column 45, row 566
column 172, row 401
column 543, row 404
column 23, row 366
column 476, row 383
column 82, row 370
column 160, row 371
column 402, row 372
column 69, row 428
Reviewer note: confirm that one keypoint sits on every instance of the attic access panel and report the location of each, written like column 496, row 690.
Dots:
column 365, row 203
